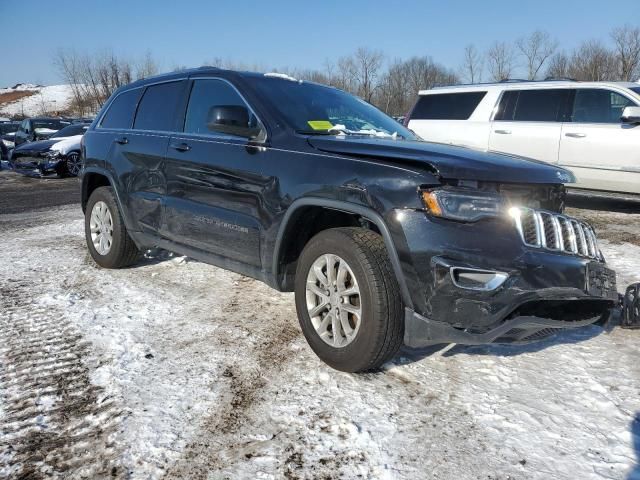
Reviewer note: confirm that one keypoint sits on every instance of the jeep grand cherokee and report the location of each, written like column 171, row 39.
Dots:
column 383, row 238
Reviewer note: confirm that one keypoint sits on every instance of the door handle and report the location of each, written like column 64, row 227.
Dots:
column 122, row 140
column 181, row 147
column 503, row 132
column 575, row 135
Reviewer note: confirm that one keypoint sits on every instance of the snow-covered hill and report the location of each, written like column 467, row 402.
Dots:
column 44, row 100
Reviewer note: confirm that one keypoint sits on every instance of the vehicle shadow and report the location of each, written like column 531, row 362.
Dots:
column 603, row 204
column 505, row 350
column 635, row 438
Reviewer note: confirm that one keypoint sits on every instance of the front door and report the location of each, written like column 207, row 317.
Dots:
column 213, row 179
column 602, row 152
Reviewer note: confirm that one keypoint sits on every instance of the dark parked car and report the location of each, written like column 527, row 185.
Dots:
column 383, row 238
column 34, row 129
column 60, row 154
column 7, row 134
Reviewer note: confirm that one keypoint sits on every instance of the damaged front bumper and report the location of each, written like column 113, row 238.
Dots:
column 478, row 283
column 37, row 165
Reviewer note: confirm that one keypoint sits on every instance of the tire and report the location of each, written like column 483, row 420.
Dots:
column 378, row 334
column 121, row 251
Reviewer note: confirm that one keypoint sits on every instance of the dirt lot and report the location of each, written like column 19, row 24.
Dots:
column 176, row 369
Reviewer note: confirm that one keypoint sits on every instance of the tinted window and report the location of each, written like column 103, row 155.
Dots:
column 205, row 95
column 635, row 89
column 598, row 106
column 447, row 106
column 533, row 105
column 121, row 110
column 8, row 128
column 157, row 110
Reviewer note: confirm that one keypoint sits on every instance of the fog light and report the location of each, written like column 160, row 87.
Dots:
column 473, row 279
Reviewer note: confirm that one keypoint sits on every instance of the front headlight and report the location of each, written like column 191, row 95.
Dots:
column 463, row 205
column 8, row 143
column 52, row 154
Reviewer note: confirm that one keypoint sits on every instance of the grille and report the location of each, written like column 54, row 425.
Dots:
column 551, row 231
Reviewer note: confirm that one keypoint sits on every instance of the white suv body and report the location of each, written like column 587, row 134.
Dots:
column 576, row 125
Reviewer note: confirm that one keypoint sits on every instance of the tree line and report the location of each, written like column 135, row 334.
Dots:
column 389, row 83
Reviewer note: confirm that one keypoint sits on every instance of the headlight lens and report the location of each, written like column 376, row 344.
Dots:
column 463, row 205
column 52, row 154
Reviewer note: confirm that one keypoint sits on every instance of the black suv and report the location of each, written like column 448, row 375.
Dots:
column 384, row 238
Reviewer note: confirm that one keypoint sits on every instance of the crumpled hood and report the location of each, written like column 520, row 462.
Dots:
column 448, row 161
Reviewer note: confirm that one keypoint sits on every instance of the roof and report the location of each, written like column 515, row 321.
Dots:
column 519, row 84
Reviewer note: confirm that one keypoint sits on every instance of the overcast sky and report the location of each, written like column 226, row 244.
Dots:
column 283, row 33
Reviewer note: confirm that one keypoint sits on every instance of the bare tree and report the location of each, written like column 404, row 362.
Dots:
column 627, row 47
column 558, row 66
column 592, row 61
column 473, row 64
column 147, row 66
column 360, row 72
column 500, row 59
column 537, row 48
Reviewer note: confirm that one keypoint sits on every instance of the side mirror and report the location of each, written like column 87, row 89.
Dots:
column 231, row 120
column 631, row 115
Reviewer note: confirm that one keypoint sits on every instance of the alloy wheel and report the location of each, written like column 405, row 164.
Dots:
column 333, row 300
column 101, row 225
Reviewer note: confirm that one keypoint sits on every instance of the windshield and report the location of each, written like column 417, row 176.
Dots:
column 70, row 131
column 50, row 124
column 316, row 109
column 8, row 128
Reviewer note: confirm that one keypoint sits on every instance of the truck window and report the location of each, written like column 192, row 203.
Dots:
column 447, row 106
column 121, row 110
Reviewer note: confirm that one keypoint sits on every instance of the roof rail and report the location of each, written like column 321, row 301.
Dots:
column 513, row 80
column 560, row 79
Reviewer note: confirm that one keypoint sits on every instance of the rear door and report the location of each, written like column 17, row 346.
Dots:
column 451, row 117
column 602, row 152
column 528, row 123
column 214, row 185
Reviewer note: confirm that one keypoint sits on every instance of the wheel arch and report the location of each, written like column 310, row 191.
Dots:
column 285, row 237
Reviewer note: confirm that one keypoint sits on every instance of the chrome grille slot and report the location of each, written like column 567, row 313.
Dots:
column 552, row 231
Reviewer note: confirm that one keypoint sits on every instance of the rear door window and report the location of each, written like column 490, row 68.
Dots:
column 447, row 106
column 120, row 112
column 545, row 105
column 158, row 107
column 595, row 105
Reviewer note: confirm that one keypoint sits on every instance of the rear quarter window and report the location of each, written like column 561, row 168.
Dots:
column 120, row 112
column 447, row 106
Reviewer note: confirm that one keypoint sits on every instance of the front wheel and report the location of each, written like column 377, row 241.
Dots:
column 348, row 299
column 107, row 239
column 73, row 164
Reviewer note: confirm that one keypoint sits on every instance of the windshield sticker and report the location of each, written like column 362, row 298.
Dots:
column 320, row 124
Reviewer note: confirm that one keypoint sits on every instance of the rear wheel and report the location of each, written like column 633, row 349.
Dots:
column 107, row 239
column 348, row 299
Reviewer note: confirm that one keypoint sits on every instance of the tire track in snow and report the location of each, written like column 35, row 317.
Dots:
column 53, row 422
column 222, row 433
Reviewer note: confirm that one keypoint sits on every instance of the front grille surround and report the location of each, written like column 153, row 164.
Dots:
column 555, row 232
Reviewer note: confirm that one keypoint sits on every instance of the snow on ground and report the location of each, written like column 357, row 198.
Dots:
column 45, row 99
column 176, row 369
